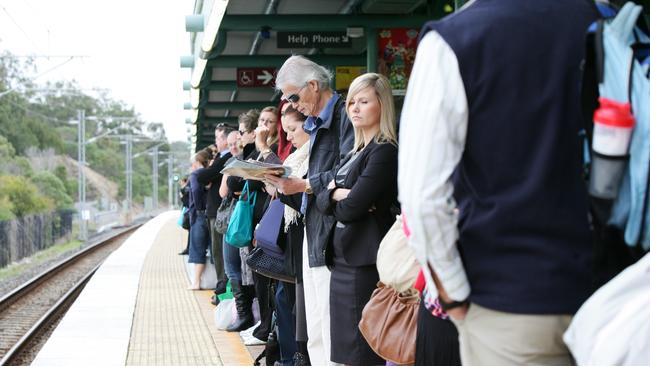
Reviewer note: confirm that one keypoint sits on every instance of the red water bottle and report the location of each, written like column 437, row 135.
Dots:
column 613, row 126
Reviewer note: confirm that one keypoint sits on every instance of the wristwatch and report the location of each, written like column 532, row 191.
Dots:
column 308, row 189
column 446, row 306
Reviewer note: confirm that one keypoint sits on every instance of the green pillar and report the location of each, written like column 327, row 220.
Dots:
column 371, row 49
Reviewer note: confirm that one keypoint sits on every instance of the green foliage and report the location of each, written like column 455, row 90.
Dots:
column 46, row 119
column 7, row 150
column 23, row 166
column 23, row 196
column 6, row 208
column 70, row 184
column 52, row 187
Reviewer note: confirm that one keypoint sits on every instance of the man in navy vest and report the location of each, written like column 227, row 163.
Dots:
column 491, row 121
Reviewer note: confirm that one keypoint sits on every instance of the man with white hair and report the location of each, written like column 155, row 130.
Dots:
column 306, row 85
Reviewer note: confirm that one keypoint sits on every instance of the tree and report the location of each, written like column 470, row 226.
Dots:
column 7, row 150
column 6, row 209
column 23, row 196
column 52, row 187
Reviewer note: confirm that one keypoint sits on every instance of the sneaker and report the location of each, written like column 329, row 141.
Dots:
column 253, row 341
column 249, row 331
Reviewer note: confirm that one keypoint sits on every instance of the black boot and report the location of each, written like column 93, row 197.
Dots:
column 243, row 302
column 221, row 286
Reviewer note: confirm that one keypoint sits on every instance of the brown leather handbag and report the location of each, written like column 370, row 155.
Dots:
column 389, row 324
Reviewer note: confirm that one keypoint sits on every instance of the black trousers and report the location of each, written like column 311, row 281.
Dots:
column 436, row 341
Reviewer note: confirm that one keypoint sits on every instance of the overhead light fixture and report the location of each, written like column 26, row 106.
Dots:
column 355, row 32
column 195, row 23
column 214, row 22
column 187, row 61
column 195, row 97
column 197, row 73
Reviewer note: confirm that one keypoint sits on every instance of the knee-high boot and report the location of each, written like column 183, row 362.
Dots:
column 243, row 303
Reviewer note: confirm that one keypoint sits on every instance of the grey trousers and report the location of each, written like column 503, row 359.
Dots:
column 489, row 337
column 216, row 250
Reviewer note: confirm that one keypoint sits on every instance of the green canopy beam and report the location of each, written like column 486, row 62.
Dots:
column 324, row 22
column 278, row 60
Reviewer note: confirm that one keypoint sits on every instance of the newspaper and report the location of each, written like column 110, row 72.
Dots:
column 252, row 169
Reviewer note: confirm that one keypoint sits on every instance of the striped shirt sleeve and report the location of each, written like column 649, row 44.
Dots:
column 432, row 139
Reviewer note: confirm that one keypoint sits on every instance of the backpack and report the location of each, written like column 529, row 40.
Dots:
column 616, row 67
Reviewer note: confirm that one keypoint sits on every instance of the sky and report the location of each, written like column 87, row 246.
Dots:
column 132, row 48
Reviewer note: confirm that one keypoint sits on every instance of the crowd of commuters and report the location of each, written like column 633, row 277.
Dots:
column 486, row 174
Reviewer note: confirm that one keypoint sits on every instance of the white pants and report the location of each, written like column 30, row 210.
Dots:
column 316, row 282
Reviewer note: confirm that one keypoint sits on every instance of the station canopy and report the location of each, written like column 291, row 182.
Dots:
column 255, row 37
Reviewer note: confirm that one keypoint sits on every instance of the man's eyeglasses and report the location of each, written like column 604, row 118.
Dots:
column 294, row 98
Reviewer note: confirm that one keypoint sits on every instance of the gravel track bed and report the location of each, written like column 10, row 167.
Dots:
column 21, row 315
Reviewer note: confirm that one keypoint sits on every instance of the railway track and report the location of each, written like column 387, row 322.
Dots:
column 27, row 312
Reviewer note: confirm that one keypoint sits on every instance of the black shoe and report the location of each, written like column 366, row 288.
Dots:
column 221, row 287
column 185, row 252
column 243, row 303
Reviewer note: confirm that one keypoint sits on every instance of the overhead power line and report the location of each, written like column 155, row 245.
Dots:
column 21, row 28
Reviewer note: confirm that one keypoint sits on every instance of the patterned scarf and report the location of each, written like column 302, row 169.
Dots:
column 299, row 164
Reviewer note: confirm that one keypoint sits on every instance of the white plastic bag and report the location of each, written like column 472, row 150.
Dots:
column 613, row 326
column 209, row 276
column 396, row 263
column 225, row 314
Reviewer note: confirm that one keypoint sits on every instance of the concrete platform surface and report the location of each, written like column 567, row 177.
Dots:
column 136, row 310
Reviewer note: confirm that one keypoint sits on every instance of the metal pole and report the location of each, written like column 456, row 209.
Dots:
column 129, row 171
column 170, row 199
column 154, row 174
column 371, row 49
column 81, row 162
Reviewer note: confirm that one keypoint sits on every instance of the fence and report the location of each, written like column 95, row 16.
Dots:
column 27, row 235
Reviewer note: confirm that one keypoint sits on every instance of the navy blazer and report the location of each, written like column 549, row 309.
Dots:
column 364, row 217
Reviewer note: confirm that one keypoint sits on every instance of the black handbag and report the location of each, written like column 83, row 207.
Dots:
column 223, row 214
column 268, row 266
column 186, row 220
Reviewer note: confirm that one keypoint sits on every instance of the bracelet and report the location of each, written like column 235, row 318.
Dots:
column 267, row 151
column 446, row 306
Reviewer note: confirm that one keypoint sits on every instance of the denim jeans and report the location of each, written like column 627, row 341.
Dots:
column 216, row 250
column 231, row 261
column 199, row 239
column 284, row 302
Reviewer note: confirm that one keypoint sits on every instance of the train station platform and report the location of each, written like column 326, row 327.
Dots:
column 136, row 310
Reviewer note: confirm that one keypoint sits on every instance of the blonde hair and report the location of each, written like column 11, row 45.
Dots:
column 387, row 125
column 273, row 138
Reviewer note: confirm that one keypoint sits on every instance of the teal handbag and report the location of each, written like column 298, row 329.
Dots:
column 240, row 228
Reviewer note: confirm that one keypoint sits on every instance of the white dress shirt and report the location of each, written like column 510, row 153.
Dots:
column 432, row 139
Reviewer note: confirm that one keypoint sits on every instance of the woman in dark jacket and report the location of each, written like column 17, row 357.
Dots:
column 360, row 198
column 199, row 234
column 292, row 330
column 254, row 148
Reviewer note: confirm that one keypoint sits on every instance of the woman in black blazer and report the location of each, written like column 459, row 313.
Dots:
column 360, row 198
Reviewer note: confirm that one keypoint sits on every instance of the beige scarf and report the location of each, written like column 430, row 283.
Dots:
column 298, row 161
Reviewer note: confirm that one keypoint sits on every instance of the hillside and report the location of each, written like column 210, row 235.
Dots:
column 104, row 187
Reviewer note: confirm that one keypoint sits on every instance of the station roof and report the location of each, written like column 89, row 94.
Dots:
column 251, row 31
